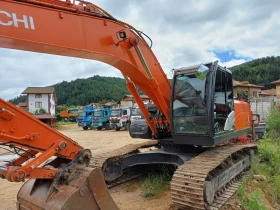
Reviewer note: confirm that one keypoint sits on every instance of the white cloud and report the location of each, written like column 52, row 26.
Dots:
column 233, row 62
column 183, row 33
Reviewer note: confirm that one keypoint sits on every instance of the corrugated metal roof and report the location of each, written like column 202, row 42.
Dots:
column 42, row 90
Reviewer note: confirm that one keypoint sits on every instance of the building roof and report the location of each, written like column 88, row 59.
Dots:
column 41, row 90
column 44, row 116
column 110, row 103
column 271, row 92
column 22, row 104
column 130, row 97
column 276, row 82
column 244, row 84
column 94, row 104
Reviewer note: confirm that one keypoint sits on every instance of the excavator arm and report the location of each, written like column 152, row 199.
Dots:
column 66, row 182
column 22, row 132
column 83, row 30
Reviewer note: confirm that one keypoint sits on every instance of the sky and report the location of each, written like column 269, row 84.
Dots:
column 184, row 33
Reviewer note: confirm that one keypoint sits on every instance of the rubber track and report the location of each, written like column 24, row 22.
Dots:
column 187, row 185
column 99, row 160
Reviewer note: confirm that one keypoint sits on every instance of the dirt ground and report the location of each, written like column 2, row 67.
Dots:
column 127, row 196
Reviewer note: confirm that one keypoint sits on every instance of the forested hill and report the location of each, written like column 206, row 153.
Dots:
column 85, row 91
column 261, row 71
column 93, row 89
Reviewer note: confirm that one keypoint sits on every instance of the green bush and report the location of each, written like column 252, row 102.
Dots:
column 273, row 123
column 58, row 118
column 267, row 163
column 40, row 111
column 269, row 154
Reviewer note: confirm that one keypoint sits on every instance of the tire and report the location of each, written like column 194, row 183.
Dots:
column 85, row 128
column 131, row 135
column 107, row 126
column 99, row 128
column 117, row 128
column 126, row 127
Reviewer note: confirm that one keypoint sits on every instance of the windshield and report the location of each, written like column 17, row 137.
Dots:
column 136, row 112
column 73, row 111
column 189, row 102
column 116, row 112
column 97, row 113
column 88, row 113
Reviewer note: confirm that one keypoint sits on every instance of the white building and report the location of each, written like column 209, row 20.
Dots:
column 41, row 98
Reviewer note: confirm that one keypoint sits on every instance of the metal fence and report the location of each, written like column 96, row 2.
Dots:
column 262, row 105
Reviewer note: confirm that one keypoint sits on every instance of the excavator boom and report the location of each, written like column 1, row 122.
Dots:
column 84, row 31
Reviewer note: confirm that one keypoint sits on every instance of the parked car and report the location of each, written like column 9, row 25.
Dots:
column 138, row 126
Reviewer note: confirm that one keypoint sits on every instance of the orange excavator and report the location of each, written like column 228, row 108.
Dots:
column 201, row 130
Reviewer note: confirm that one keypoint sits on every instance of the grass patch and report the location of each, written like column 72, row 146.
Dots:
column 267, row 163
column 60, row 124
column 155, row 184
column 65, row 123
column 254, row 201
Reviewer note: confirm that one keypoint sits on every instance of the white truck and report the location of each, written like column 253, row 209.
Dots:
column 119, row 118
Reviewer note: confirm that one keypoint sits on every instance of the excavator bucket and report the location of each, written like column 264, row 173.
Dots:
column 84, row 189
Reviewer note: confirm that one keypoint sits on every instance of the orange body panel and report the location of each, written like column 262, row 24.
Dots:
column 243, row 115
column 65, row 114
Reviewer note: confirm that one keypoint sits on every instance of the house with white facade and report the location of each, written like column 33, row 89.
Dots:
column 40, row 98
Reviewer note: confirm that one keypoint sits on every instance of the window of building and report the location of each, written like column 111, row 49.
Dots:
column 38, row 104
column 255, row 93
column 38, row 95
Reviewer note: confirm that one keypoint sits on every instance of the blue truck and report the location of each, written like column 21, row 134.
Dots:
column 85, row 120
column 101, row 118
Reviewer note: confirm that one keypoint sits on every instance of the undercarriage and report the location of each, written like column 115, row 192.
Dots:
column 204, row 178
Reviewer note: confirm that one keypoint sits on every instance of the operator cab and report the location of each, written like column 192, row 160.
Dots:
column 202, row 105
